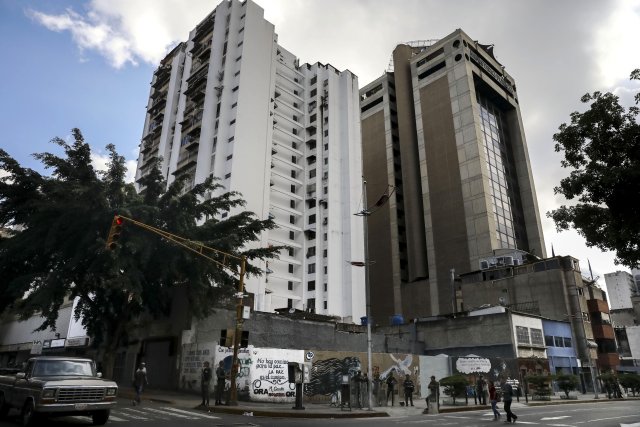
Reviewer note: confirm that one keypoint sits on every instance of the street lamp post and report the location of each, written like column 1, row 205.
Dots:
column 365, row 213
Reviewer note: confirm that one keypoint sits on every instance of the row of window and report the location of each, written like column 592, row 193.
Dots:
column 551, row 341
column 529, row 336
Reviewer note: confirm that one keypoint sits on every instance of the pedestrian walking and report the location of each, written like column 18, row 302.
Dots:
column 493, row 398
column 408, row 390
column 391, row 384
column 434, row 388
column 139, row 382
column 205, row 383
column 357, row 381
column 482, row 400
column 221, row 377
column 507, row 397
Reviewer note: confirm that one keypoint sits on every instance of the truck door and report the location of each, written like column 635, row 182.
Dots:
column 21, row 386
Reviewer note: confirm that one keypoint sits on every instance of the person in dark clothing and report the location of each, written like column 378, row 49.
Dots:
column 139, row 382
column 221, row 377
column 391, row 384
column 408, row 390
column 205, row 382
column 493, row 398
column 434, row 387
column 507, row 397
column 482, row 400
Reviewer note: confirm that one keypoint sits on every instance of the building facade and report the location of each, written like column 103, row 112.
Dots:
column 624, row 295
column 233, row 104
column 444, row 129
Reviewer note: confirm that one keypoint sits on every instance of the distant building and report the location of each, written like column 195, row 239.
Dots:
column 624, row 291
column 444, row 130
column 232, row 103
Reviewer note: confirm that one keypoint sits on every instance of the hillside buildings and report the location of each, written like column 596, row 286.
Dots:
column 444, row 128
column 233, row 104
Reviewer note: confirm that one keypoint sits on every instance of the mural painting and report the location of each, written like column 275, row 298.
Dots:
column 269, row 378
column 329, row 367
column 193, row 356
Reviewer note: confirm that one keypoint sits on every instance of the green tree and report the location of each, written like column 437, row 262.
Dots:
column 630, row 382
column 602, row 147
column 454, row 386
column 567, row 382
column 540, row 384
column 56, row 250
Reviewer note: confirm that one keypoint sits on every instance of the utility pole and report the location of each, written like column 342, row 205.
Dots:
column 212, row 255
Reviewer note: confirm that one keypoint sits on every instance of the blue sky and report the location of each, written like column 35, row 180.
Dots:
column 88, row 64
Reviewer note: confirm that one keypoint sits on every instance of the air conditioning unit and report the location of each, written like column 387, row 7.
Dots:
column 508, row 260
column 516, row 261
column 484, row 264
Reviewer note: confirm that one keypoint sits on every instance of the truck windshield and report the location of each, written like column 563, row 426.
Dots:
column 48, row 368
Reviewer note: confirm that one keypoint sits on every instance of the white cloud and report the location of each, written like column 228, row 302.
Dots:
column 100, row 162
column 616, row 42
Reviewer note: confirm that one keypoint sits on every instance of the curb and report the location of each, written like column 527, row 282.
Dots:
column 298, row 414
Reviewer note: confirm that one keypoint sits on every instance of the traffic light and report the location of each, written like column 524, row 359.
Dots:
column 226, row 337
column 114, row 232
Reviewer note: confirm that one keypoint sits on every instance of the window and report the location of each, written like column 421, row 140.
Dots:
column 291, row 252
column 312, row 173
column 294, row 131
column 290, row 285
column 325, row 305
column 313, row 81
column 548, row 340
column 311, row 268
column 567, row 341
column 311, row 251
column 227, row 176
column 232, row 122
column 293, row 188
column 218, row 110
column 289, row 303
column 294, row 160
column 558, row 341
column 324, row 253
column 240, row 44
column 237, row 73
column 235, row 89
column 311, row 304
column 313, row 93
column 326, row 132
column 312, row 203
column 325, row 237
column 311, row 285
column 241, row 29
column 312, row 118
column 325, row 287
column 312, row 219
column 292, row 235
column 230, row 156
column 522, row 334
column 536, row 337
column 292, row 219
column 231, row 139
column 292, row 204
column 234, row 105
column 295, row 118
column 290, row 268
column 238, row 58
column 325, row 269
column 326, row 160
column 294, row 174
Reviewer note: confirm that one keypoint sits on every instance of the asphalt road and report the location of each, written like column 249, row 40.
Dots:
column 601, row 414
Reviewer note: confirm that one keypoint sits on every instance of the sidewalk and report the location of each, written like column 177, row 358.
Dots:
column 324, row 410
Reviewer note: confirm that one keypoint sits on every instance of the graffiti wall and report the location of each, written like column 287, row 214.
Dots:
column 269, row 374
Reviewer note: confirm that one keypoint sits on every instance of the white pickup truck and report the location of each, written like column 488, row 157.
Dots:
column 57, row 386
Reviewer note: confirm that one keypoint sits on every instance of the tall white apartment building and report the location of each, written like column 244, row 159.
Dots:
column 232, row 103
column 620, row 287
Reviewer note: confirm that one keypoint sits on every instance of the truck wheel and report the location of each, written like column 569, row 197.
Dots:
column 100, row 417
column 4, row 408
column 28, row 416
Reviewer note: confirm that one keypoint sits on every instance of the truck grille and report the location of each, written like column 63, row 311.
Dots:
column 81, row 394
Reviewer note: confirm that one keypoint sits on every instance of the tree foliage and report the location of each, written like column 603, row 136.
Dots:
column 454, row 386
column 602, row 147
column 56, row 250
column 567, row 382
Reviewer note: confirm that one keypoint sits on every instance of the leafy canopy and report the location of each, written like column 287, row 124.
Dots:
column 602, row 147
column 58, row 224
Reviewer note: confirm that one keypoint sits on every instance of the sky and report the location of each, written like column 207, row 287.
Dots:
column 89, row 64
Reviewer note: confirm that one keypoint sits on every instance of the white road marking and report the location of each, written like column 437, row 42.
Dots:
column 114, row 418
column 125, row 412
column 195, row 414
column 172, row 414
column 555, row 418
column 607, row 419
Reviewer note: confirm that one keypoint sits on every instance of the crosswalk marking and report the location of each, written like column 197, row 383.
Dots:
column 134, row 416
column 114, row 418
column 160, row 411
column 194, row 414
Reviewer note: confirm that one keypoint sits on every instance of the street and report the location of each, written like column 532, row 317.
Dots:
column 601, row 414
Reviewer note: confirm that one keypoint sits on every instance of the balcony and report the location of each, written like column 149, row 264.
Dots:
column 603, row 331
column 186, row 160
column 597, row 305
column 608, row 361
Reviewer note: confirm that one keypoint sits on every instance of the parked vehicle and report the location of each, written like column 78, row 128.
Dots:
column 58, row 386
